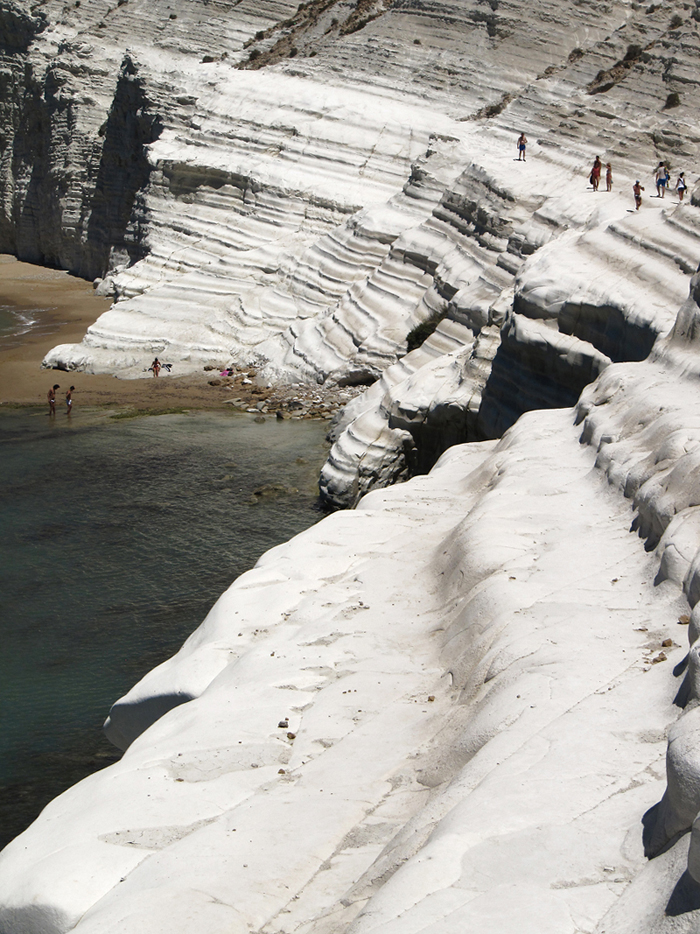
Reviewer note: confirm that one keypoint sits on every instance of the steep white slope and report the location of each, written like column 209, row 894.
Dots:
column 505, row 586
column 300, row 188
column 601, row 292
column 307, row 217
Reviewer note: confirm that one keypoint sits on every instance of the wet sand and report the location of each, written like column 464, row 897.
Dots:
column 70, row 306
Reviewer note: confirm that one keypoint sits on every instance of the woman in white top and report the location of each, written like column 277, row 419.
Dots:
column 681, row 186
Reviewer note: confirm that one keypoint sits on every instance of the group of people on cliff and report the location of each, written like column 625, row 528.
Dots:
column 594, row 178
column 662, row 178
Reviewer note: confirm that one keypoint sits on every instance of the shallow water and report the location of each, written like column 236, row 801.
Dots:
column 15, row 321
column 118, row 536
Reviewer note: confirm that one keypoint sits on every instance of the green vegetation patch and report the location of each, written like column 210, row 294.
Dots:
column 418, row 335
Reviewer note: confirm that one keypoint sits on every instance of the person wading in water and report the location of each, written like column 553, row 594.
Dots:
column 51, row 396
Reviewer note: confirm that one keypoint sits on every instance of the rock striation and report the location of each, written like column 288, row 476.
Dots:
column 466, row 704
column 299, row 190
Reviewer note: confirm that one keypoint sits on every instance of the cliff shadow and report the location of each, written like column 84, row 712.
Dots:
column 123, row 172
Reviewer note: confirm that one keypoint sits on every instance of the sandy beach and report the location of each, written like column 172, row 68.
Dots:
column 70, row 306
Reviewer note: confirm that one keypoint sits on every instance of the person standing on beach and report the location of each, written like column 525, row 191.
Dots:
column 637, row 189
column 51, row 396
column 595, row 173
column 521, row 144
column 69, row 400
column 608, row 177
column 155, row 366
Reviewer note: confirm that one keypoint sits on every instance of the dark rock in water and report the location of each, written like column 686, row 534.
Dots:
column 270, row 491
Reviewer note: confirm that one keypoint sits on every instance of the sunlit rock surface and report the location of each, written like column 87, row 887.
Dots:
column 300, row 188
column 449, row 708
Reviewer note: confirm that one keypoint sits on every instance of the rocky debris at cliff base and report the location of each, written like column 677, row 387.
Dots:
column 285, row 400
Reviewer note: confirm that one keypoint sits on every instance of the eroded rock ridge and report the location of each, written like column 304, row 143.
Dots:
column 452, row 707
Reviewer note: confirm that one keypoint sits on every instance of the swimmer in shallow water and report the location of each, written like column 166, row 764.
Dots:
column 69, row 400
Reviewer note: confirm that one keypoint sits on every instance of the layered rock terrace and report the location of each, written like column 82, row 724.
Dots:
column 478, row 669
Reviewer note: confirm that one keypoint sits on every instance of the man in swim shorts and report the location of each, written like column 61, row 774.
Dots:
column 69, row 400
column 660, row 180
column 521, row 144
column 51, row 396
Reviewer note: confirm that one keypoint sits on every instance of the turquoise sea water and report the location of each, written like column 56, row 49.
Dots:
column 117, row 537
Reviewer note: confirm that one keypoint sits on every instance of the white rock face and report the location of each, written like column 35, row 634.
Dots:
column 473, row 725
column 477, row 669
column 446, row 708
column 307, row 215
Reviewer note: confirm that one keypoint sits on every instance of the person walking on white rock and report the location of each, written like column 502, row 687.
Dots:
column 608, row 177
column 155, row 366
column 595, row 173
column 521, row 144
column 681, row 186
column 637, row 189
column 660, row 179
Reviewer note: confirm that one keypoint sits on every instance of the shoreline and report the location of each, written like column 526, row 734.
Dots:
column 67, row 307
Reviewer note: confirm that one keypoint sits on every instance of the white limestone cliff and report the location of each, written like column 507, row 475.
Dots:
column 480, row 670
column 299, row 189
